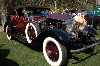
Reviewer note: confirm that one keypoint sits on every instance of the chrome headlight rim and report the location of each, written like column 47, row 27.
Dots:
column 85, row 32
column 72, row 34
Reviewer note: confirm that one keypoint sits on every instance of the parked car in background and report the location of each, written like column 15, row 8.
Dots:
column 88, row 17
column 36, row 25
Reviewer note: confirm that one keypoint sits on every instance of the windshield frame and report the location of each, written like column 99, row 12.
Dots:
column 89, row 12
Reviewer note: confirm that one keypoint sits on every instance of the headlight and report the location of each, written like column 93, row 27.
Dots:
column 73, row 34
column 83, row 29
column 85, row 32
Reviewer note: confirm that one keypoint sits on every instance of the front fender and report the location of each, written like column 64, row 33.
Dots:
column 60, row 34
column 92, row 31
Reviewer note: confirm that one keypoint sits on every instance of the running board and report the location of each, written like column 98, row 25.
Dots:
column 85, row 47
column 19, row 37
column 23, row 39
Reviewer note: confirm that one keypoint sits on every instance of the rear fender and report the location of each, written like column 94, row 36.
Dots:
column 10, row 24
column 5, row 26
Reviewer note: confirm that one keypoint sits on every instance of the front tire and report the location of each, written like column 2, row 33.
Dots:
column 54, row 52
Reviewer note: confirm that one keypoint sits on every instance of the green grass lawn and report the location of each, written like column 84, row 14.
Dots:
column 13, row 52
column 16, row 53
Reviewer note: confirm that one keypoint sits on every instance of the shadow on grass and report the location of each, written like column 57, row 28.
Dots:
column 4, row 61
column 38, row 48
column 80, row 60
column 70, row 56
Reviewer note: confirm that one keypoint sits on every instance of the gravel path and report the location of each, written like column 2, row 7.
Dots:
column 2, row 29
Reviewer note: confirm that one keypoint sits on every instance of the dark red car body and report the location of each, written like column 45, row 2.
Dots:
column 20, row 24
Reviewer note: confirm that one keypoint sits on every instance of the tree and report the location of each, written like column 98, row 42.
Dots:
column 7, row 7
column 3, row 13
column 98, row 2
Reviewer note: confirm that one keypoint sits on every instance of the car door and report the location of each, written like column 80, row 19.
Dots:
column 22, row 24
column 15, row 21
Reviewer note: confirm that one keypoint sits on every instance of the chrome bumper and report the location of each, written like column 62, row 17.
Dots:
column 84, row 48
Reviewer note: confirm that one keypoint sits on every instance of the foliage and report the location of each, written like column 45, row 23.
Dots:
column 60, row 10
column 10, row 5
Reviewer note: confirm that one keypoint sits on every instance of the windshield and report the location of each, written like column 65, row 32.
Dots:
column 35, row 12
column 89, row 12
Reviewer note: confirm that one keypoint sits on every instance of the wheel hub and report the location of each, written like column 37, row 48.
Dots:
column 48, row 52
column 31, row 33
column 52, row 51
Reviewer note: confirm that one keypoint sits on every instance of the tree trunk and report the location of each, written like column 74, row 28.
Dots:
column 55, row 4
column 98, row 2
column 3, row 15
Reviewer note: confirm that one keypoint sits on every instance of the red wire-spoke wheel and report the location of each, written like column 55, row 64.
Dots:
column 8, row 33
column 31, row 33
column 54, row 52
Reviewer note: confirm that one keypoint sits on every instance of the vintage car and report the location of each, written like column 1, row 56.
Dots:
column 38, row 25
column 88, row 17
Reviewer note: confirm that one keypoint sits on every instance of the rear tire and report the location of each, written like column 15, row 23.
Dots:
column 9, row 37
column 54, row 52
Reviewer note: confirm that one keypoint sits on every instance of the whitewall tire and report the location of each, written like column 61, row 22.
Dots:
column 54, row 52
column 34, row 32
column 8, row 33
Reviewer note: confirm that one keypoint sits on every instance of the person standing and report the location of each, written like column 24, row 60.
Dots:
column 75, row 15
column 44, row 13
column 81, row 19
column 67, row 11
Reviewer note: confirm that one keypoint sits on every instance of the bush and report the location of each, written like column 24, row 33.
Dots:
column 60, row 10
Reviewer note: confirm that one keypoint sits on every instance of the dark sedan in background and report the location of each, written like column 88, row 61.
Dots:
column 88, row 17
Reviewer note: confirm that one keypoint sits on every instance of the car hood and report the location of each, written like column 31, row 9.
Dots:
column 58, row 16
